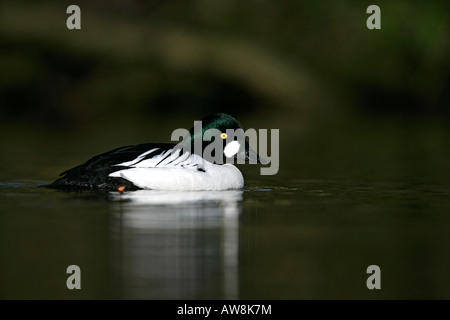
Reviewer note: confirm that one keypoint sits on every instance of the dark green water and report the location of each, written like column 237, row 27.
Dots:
column 291, row 240
column 338, row 205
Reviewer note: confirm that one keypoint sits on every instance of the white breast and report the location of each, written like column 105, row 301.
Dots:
column 183, row 175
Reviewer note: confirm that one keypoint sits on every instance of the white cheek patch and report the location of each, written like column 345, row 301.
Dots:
column 231, row 149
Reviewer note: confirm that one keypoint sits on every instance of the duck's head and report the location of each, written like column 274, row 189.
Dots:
column 234, row 146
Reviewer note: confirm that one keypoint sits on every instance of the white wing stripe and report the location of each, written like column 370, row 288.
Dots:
column 139, row 158
column 168, row 159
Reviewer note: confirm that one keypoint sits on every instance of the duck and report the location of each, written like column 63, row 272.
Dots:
column 167, row 166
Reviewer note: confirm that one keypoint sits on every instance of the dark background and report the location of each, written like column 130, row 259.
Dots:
column 364, row 126
column 139, row 69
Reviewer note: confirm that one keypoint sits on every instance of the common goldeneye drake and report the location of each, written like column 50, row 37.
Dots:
column 165, row 166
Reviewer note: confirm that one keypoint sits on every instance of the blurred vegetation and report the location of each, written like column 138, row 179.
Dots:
column 301, row 66
column 356, row 108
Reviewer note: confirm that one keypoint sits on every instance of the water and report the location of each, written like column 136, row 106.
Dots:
column 284, row 240
column 367, row 195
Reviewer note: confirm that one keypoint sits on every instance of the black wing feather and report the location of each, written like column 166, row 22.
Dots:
column 94, row 173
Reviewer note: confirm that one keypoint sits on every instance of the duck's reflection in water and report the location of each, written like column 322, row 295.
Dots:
column 176, row 245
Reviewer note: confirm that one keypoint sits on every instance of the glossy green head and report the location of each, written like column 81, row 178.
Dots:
column 221, row 122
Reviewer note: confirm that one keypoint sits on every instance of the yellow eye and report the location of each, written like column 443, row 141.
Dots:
column 223, row 135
